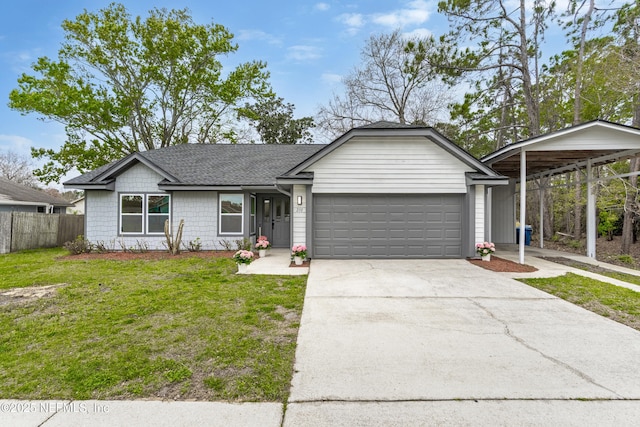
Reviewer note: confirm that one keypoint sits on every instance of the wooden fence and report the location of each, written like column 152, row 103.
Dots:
column 26, row 230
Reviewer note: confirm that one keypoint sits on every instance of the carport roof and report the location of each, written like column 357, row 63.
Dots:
column 571, row 148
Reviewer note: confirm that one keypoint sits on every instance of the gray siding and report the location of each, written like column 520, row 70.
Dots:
column 389, row 165
column 503, row 215
column 198, row 209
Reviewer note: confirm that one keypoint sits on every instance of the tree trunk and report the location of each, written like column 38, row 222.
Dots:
column 629, row 208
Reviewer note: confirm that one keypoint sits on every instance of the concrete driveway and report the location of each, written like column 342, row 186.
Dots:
column 426, row 342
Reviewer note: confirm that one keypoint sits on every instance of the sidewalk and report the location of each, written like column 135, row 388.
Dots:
column 97, row 413
column 553, row 269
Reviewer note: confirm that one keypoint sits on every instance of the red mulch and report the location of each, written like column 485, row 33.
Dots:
column 306, row 263
column 502, row 265
column 151, row 255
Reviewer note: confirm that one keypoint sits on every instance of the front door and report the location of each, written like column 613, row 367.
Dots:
column 276, row 220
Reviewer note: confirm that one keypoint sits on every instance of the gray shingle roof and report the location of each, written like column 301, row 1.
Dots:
column 13, row 192
column 383, row 124
column 218, row 164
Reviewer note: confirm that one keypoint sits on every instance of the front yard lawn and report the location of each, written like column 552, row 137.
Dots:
column 179, row 328
column 618, row 303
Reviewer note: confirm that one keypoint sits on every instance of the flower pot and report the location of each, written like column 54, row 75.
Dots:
column 486, row 257
column 262, row 253
column 242, row 268
column 297, row 260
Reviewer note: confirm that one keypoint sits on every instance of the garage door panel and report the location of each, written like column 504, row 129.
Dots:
column 379, row 226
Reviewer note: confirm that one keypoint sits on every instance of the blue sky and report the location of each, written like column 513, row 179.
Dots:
column 308, row 45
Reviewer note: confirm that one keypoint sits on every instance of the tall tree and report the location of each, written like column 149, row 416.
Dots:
column 274, row 122
column 394, row 82
column 628, row 28
column 123, row 84
column 16, row 168
column 504, row 64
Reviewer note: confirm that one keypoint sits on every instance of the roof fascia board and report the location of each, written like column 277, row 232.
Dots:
column 9, row 202
column 110, row 186
column 177, row 187
column 127, row 162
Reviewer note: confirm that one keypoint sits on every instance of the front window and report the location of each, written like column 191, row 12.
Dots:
column 157, row 213
column 231, row 212
column 140, row 213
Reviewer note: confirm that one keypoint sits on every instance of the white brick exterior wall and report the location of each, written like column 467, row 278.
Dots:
column 197, row 208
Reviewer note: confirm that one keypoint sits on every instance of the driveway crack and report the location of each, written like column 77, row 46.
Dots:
column 552, row 359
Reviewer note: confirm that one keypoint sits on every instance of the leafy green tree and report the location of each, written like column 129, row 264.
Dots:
column 273, row 120
column 123, row 84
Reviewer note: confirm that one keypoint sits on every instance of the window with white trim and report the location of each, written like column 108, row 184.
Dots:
column 231, row 210
column 144, row 213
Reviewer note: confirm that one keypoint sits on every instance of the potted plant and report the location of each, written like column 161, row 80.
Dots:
column 299, row 253
column 262, row 245
column 485, row 249
column 243, row 259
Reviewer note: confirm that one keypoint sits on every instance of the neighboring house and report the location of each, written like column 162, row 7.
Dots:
column 20, row 198
column 77, row 207
column 379, row 191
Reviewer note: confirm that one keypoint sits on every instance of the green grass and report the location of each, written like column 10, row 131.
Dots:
column 181, row 328
column 618, row 303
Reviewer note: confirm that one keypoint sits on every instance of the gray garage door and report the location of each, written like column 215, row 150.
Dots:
column 387, row 226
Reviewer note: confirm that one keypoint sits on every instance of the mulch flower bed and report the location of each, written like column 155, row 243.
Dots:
column 150, row 255
column 502, row 265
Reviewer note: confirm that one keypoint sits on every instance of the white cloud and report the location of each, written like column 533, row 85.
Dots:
column 417, row 12
column 331, row 78
column 259, row 35
column 321, row 6
column 353, row 21
column 303, row 53
column 16, row 144
column 418, row 33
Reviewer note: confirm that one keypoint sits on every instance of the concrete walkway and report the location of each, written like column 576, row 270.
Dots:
column 276, row 262
column 425, row 342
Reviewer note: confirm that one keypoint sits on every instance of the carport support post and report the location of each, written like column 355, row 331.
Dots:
column 523, row 200
column 591, row 213
column 541, row 229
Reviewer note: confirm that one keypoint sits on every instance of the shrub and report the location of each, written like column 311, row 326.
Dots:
column 78, row 246
column 195, row 245
column 243, row 244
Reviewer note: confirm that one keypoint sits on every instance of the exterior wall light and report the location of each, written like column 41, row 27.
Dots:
column 299, row 200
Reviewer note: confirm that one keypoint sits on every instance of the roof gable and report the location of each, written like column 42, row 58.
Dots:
column 390, row 130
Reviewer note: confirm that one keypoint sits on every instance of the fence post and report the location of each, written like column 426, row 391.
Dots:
column 5, row 232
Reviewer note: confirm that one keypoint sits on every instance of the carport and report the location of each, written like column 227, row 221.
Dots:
column 580, row 147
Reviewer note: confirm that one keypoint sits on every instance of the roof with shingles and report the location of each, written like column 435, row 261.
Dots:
column 14, row 192
column 216, row 164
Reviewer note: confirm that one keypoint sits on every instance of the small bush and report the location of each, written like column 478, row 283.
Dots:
column 78, row 246
column 243, row 244
column 226, row 244
column 195, row 245
column 102, row 247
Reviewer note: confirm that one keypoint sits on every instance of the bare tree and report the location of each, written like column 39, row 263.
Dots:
column 16, row 168
column 393, row 82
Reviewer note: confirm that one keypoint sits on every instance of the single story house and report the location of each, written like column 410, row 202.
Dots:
column 383, row 190
column 16, row 197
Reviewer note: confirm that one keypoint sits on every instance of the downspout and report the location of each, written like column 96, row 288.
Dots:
column 283, row 191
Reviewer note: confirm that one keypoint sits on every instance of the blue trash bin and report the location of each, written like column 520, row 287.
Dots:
column 528, row 230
